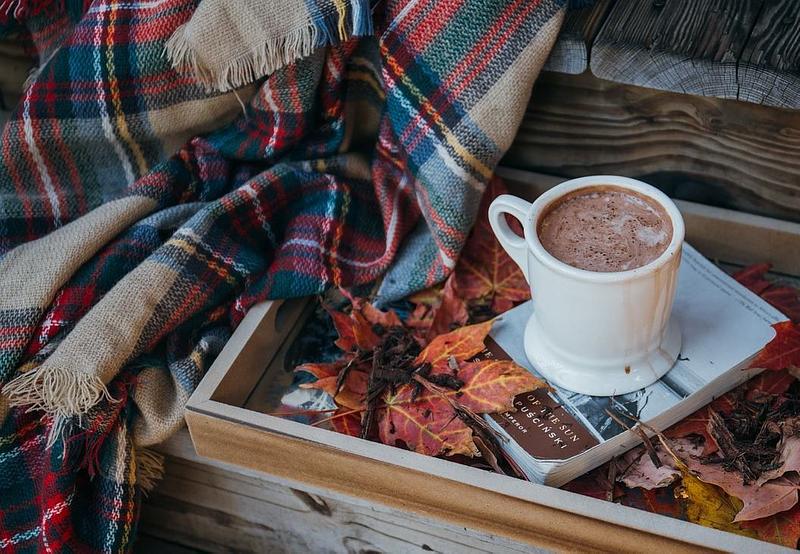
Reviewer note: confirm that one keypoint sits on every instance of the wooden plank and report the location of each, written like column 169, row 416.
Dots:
column 690, row 46
column 147, row 544
column 570, row 54
column 731, row 154
column 769, row 68
column 221, row 508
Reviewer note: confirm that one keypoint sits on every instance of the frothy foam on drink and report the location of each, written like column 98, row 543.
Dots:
column 605, row 229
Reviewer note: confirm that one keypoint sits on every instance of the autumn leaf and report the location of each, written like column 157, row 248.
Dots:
column 789, row 460
column 595, row 484
column 697, row 423
column 656, row 501
column 783, row 351
column 428, row 426
column 705, row 503
column 438, row 309
column 783, row 298
column 350, row 394
column 769, row 383
column 782, row 528
column 757, row 501
column 753, row 501
column 484, row 283
column 753, row 277
column 462, row 343
column 375, row 316
column 427, row 422
column 347, row 422
column 766, row 383
column 358, row 329
column 320, row 371
column 417, row 399
column 638, row 470
column 344, row 328
column 484, row 270
column 709, row 506
column 491, row 385
column 452, row 312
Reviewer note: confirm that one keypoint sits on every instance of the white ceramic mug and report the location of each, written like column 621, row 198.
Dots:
column 596, row 333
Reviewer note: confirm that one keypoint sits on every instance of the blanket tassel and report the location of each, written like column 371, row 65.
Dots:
column 55, row 390
column 272, row 54
column 149, row 468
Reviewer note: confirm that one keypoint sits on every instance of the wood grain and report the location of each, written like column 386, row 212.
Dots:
column 726, row 153
column 735, row 49
column 570, row 54
column 769, row 67
column 216, row 507
column 449, row 501
column 689, row 46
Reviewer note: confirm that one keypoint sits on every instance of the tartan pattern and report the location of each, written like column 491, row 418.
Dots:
column 367, row 156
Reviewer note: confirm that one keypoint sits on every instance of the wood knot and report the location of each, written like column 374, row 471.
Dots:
column 314, row 502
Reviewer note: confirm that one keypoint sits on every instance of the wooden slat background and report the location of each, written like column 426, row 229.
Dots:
column 722, row 152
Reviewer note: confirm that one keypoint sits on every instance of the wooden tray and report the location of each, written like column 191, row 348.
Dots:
column 225, row 427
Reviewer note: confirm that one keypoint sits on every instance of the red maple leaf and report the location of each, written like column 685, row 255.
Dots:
column 429, row 423
column 783, row 351
column 782, row 528
column 485, row 282
column 428, row 420
column 783, row 298
column 485, row 271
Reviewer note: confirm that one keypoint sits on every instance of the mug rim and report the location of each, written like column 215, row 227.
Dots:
column 539, row 206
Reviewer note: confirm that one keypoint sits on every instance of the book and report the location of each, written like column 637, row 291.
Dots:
column 555, row 436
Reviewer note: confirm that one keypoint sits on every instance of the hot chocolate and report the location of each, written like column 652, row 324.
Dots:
column 605, row 229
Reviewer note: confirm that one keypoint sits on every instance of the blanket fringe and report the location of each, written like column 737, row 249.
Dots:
column 271, row 55
column 149, row 468
column 240, row 71
column 58, row 391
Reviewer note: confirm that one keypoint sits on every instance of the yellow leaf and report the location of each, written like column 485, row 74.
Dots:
column 708, row 505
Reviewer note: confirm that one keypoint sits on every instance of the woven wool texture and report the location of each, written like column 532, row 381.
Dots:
column 141, row 214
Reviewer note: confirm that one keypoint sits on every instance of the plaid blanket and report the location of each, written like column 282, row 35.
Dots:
column 141, row 214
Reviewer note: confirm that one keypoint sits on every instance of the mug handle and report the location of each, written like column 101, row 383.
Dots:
column 514, row 244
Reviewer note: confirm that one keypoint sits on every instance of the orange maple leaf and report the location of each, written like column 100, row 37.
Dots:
column 461, row 344
column 428, row 423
